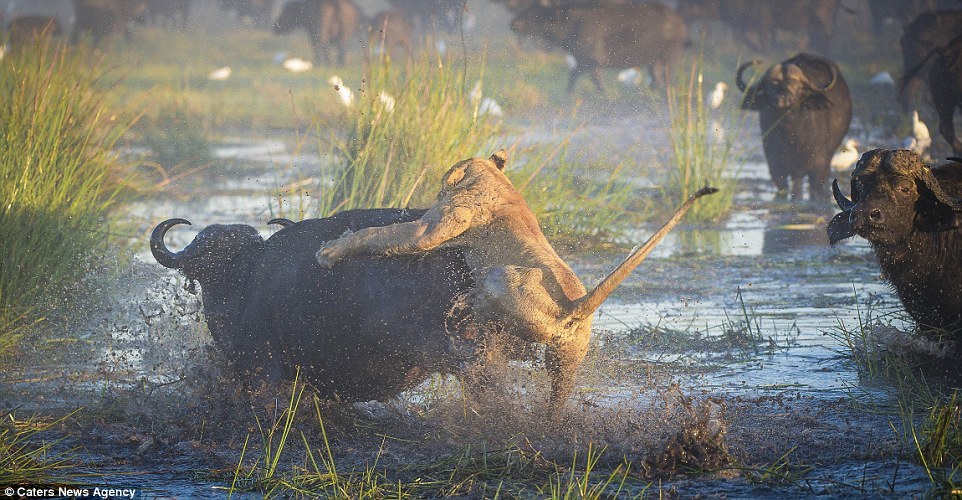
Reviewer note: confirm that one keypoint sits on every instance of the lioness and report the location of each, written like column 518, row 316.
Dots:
column 522, row 286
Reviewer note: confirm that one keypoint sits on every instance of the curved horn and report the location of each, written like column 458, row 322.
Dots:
column 831, row 67
column 844, row 203
column 741, row 69
column 586, row 306
column 281, row 221
column 161, row 253
column 932, row 184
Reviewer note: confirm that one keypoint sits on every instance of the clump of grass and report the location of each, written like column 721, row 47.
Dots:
column 390, row 155
column 176, row 131
column 395, row 158
column 700, row 159
column 25, row 458
column 58, row 179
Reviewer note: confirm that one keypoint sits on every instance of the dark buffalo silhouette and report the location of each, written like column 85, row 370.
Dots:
column 756, row 24
column 910, row 213
column 804, row 110
column 602, row 36
column 929, row 31
column 368, row 329
column 391, row 30
column 169, row 13
column 102, row 19
column 945, row 84
column 329, row 24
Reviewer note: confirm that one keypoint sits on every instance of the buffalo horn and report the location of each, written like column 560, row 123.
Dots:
column 741, row 69
column 844, row 203
column 160, row 251
column 281, row 221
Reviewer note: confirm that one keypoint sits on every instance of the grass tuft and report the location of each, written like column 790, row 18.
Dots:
column 700, row 157
column 57, row 179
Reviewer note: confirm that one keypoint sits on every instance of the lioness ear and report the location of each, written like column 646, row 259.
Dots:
column 500, row 158
column 454, row 176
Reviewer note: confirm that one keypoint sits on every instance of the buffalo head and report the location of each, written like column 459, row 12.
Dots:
column 211, row 256
column 787, row 86
column 893, row 196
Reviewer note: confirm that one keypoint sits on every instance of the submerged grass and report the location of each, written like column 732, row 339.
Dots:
column 27, row 458
column 58, row 179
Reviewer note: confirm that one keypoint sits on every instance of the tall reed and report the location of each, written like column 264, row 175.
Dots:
column 393, row 151
column 57, row 179
column 701, row 155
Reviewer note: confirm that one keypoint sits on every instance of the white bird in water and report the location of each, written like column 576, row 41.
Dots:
column 441, row 46
column 571, row 61
column 717, row 95
column 387, row 100
column 882, row 78
column 297, row 65
column 344, row 93
column 920, row 140
column 485, row 105
column 219, row 74
column 631, row 77
column 846, row 156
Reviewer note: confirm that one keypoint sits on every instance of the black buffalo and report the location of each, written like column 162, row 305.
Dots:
column 929, row 31
column 804, row 110
column 757, row 24
column 329, row 24
column 391, row 30
column 602, row 36
column 102, row 19
column 945, row 84
column 368, row 329
column 910, row 213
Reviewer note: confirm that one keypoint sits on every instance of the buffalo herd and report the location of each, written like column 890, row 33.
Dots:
column 372, row 327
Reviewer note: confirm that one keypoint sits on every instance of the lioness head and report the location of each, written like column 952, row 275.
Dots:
column 477, row 174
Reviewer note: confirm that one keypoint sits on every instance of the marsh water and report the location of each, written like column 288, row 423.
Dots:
column 750, row 311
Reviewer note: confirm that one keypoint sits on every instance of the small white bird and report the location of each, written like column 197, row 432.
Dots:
column 846, row 156
column 882, row 78
column 631, row 77
column 920, row 140
column 489, row 106
column 717, row 95
column 344, row 93
column 441, row 46
column 571, row 61
column 387, row 100
column 219, row 74
column 297, row 65
column 484, row 105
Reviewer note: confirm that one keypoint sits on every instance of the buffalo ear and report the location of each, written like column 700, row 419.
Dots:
column 936, row 210
column 500, row 158
column 839, row 228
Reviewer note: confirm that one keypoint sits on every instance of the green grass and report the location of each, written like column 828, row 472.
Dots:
column 395, row 158
column 176, row 131
column 27, row 458
column 699, row 160
column 57, row 180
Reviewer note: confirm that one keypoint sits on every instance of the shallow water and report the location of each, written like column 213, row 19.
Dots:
column 768, row 269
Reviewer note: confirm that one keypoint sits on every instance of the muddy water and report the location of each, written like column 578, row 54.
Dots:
column 767, row 271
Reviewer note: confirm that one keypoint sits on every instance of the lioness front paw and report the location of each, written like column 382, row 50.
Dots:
column 328, row 254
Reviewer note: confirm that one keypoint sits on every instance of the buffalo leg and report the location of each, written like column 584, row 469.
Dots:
column 946, row 125
column 797, row 181
column 573, row 77
column 818, row 186
column 781, row 185
column 595, row 73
